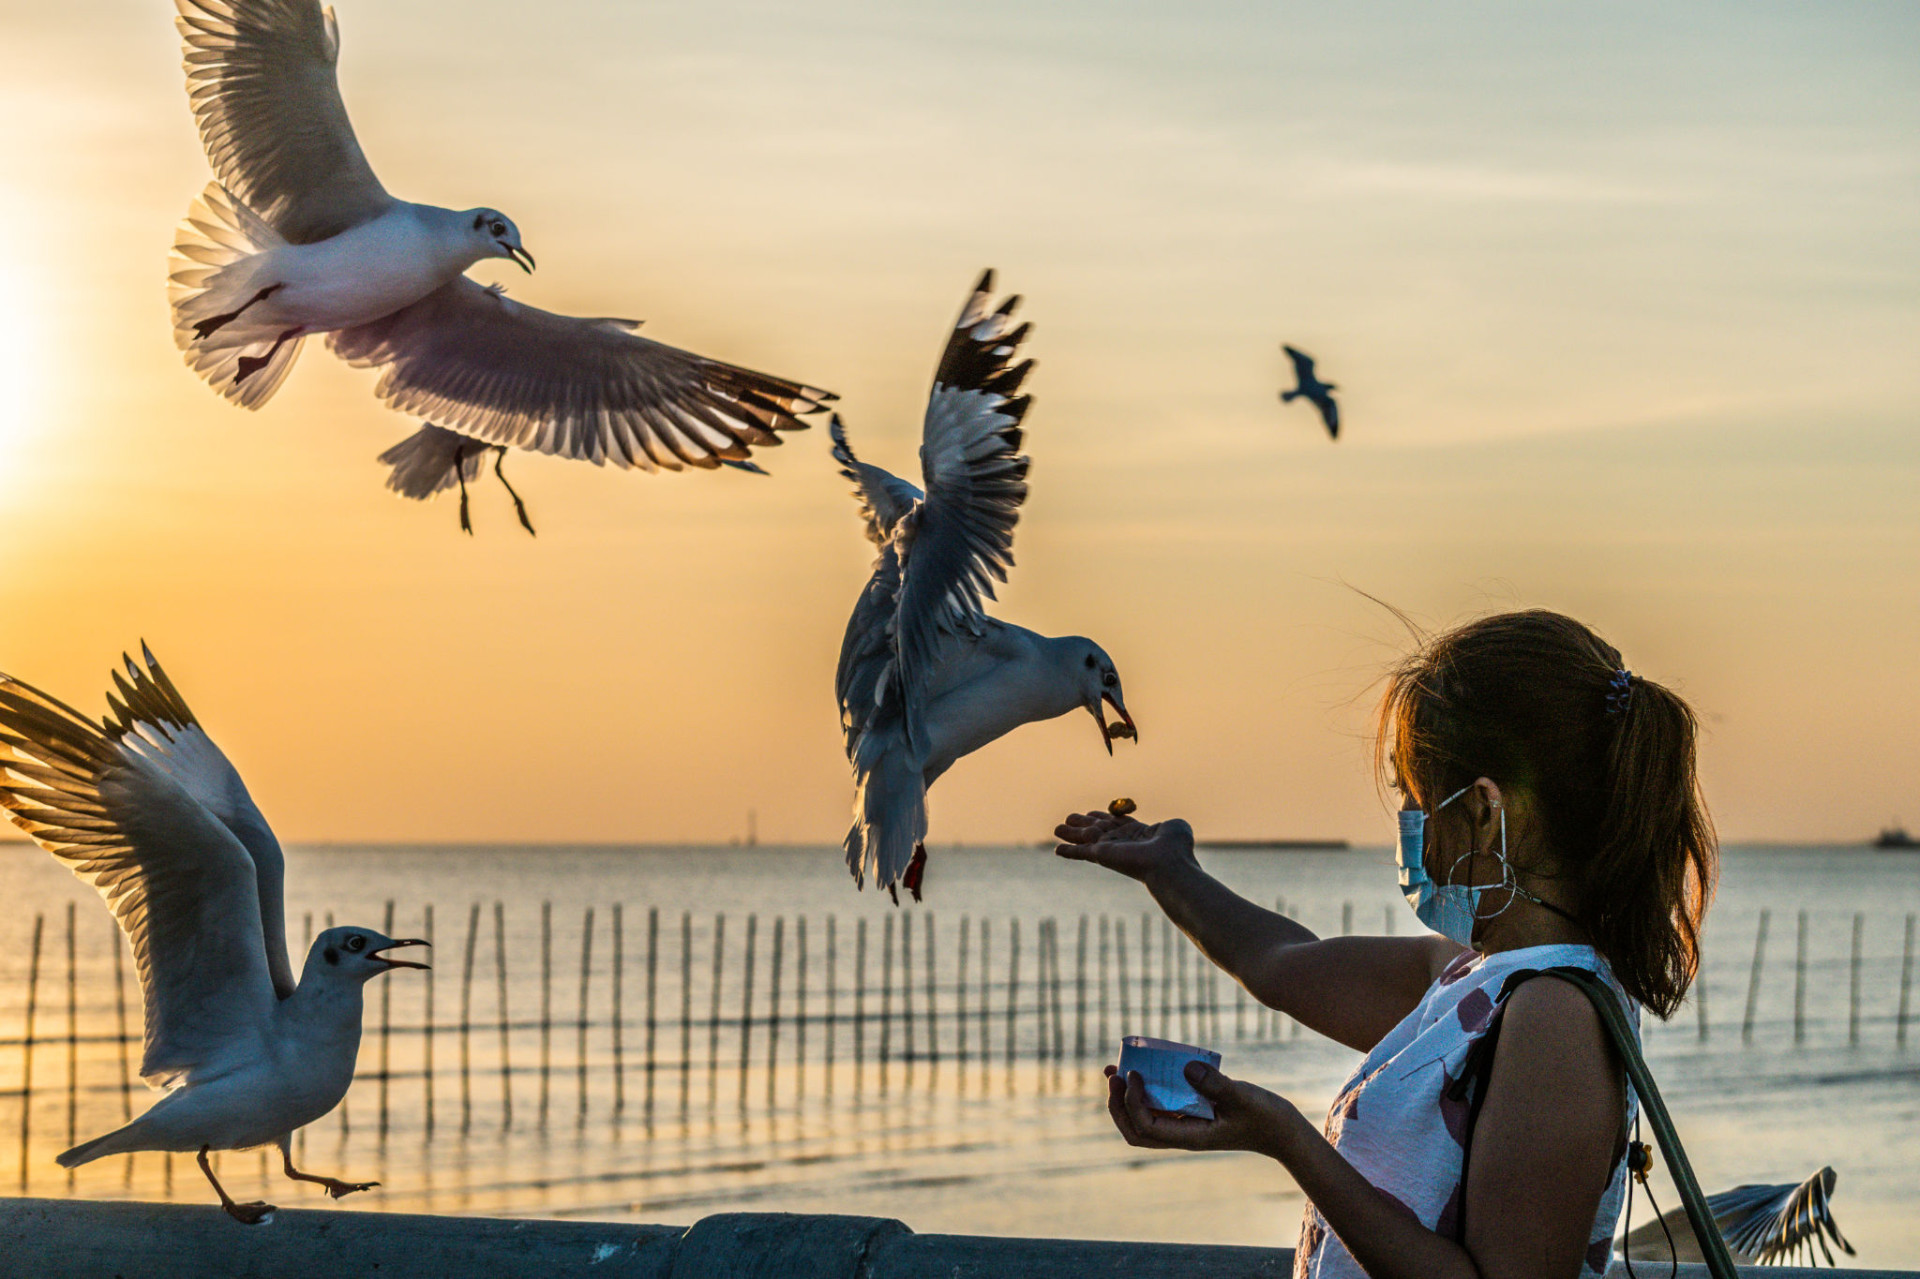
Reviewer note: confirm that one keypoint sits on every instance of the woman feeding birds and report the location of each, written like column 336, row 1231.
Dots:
column 1550, row 818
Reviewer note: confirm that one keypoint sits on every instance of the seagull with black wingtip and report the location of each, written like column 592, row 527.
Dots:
column 925, row 675
column 149, row 812
column 296, row 237
column 1310, row 388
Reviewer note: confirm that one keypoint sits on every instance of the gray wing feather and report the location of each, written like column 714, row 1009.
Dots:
column 261, row 78
column 1775, row 1223
column 182, row 887
column 962, row 536
column 885, row 498
column 476, row 362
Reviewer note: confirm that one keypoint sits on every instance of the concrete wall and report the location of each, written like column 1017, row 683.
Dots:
column 83, row 1239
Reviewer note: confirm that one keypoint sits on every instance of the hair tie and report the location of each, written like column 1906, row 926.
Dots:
column 1619, row 691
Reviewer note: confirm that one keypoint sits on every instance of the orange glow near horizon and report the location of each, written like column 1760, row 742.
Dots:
column 1624, row 330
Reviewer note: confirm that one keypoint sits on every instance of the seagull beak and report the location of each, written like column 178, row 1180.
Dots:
column 523, row 258
column 402, row 963
column 1123, row 727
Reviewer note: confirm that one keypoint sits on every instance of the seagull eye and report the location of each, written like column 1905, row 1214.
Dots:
column 356, row 943
column 1109, row 679
column 498, row 229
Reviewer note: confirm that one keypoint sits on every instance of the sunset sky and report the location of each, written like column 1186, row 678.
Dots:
column 1624, row 303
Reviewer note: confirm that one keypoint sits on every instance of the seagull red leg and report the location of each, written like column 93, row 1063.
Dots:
column 251, row 1214
column 916, row 871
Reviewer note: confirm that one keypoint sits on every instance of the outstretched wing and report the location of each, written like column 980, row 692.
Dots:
column 181, row 885
column 1302, row 365
column 1329, row 413
column 474, row 361
column 1776, row 1223
column 962, row 536
column 260, row 75
column 150, row 716
column 884, row 497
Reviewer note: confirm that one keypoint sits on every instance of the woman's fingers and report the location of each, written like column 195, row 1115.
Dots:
column 1117, row 1109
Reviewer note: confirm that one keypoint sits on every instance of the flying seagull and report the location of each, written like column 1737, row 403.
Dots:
column 1764, row 1224
column 146, row 809
column 296, row 237
column 925, row 675
column 1319, row 393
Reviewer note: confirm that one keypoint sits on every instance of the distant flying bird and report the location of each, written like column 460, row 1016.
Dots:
column 295, row 237
column 925, row 675
column 1764, row 1224
column 1318, row 392
column 146, row 809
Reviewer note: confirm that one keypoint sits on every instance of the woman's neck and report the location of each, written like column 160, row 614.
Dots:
column 1524, row 923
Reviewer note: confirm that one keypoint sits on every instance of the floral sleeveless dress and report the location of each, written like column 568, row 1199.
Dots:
column 1394, row 1122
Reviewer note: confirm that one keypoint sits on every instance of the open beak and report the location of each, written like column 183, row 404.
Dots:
column 401, row 963
column 520, row 256
column 1122, row 727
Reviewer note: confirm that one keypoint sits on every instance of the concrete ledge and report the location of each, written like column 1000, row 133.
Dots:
column 89, row 1239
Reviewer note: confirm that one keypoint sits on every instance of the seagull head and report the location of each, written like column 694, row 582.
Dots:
column 498, row 237
column 1099, row 688
column 352, row 952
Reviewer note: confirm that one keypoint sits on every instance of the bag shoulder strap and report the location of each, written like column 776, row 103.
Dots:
column 1478, row 1070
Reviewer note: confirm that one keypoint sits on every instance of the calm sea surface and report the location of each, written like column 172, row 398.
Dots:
column 937, row 1063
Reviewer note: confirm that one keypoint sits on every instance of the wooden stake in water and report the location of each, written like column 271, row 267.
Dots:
column 686, row 1004
column 466, row 1022
column 1040, row 991
column 1106, row 929
column 1167, row 1009
column 986, row 991
column 546, row 1005
column 1146, row 974
column 933, row 1000
column 1753, row 977
column 773, row 1005
column 1053, row 956
column 1800, row 982
column 120, row 1004
column 580, row 1042
column 1700, row 992
column 1853, row 984
column 500, row 996
column 1013, row 992
column 713, row 1014
column 73, row 1037
column 26, row 1046
column 1080, row 994
column 746, row 1006
column 833, row 1020
column 1346, row 919
column 800, row 1005
column 426, row 1038
column 653, row 998
column 859, row 1001
column 1185, row 1005
column 1906, row 984
column 906, row 987
column 886, row 999
column 960, row 997
column 386, row 1029
column 619, row 996
column 1120, row 976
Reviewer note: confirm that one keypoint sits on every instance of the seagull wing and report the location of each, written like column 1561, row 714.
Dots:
column 962, row 536
column 1302, row 365
column 1329, row 412
column 884, row 497
column 150, row 717
column 867, row 651
column 260, row 75
column 181, row 885
column 1775, row 1223
column 474, row 361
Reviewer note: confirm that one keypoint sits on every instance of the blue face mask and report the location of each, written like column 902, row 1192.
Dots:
column 1448, row 909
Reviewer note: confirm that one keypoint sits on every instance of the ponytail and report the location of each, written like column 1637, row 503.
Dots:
column 1539, row 703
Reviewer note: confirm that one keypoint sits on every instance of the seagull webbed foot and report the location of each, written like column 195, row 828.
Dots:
column 916, row 871
column 249, row 1214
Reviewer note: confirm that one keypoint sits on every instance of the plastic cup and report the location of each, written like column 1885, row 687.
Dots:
column 1162, row 1065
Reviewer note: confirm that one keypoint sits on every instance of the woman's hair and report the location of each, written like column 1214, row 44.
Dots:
column 1540, row 704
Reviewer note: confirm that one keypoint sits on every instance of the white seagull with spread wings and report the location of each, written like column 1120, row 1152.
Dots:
column 146, row 809
column 295, row 236
column 925, row 675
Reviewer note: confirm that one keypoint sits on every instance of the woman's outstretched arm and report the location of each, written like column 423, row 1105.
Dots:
column 1350, row 989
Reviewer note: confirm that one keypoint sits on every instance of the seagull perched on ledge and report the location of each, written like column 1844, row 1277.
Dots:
column 925, row 675
column 146, row 809
column 296, row 236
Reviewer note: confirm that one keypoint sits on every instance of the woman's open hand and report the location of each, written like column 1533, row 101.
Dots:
column 1245, row 1117
column 1122, row 844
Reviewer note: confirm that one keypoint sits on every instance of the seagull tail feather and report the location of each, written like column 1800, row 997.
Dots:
column 113, row 1143
column 221, row 263
column 889, row 810
column 424, row 463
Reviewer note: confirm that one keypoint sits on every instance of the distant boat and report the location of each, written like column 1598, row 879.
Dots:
column 1895, row 836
